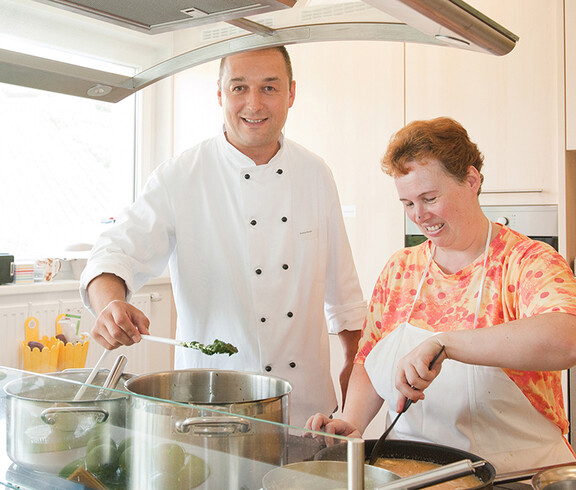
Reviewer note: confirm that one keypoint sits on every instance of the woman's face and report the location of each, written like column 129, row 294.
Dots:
column 444, row 209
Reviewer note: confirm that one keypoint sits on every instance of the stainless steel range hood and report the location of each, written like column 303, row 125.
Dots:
column 152, row 16
column 258, row 23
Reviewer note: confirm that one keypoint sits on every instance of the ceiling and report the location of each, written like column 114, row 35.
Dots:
column 46, row 42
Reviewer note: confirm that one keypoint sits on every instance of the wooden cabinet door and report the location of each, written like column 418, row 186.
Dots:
column 349, row 101
column 510, row 105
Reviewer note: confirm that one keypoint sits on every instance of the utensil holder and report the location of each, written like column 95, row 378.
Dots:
column 42, row 361
column 73, row 355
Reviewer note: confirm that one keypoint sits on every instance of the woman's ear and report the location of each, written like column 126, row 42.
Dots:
column 474, row 179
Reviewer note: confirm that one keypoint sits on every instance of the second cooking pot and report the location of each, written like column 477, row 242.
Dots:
column 47, row 428
column 232, row 446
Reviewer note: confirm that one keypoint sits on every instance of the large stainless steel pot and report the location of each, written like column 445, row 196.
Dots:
column 237, row 449
column 47, row 429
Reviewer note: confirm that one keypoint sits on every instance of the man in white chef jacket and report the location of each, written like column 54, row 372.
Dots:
column 251, row 226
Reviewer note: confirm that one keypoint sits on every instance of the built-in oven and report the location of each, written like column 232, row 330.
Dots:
column 539, row 222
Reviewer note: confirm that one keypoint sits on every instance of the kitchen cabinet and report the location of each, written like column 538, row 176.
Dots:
column 570, row 53
column 511, row 106
column 349, row 101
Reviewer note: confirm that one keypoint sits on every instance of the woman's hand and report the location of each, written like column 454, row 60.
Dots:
column 413, row 375
column 322, row 423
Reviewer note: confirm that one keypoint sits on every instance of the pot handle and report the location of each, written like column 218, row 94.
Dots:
column 48, row 414
column 213, row 426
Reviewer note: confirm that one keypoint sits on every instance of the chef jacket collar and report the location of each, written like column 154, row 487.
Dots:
column 238, row 156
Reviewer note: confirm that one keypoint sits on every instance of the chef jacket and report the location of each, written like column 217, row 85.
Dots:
column 258, row 257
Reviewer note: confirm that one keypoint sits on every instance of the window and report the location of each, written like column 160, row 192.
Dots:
column 67, row 164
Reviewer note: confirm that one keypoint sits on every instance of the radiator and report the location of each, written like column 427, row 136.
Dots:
column 143, row 357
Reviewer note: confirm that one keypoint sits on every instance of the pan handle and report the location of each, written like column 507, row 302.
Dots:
column 514, row 476
column 48, row 415
column 213, row 426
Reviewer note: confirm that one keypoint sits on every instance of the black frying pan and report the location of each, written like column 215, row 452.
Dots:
column 432, row 453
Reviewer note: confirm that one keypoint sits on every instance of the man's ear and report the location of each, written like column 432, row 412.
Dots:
column 292, row 93
column 219, row 94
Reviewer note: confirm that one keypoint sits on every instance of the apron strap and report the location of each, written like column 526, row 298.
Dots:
column 480, row 289
column 424, row 274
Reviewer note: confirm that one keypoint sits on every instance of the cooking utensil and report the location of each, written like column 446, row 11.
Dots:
column 195, row 408
column 375, row 454
column 420, row 451
column 323, row 475
column 46, row 428
column 556, row 478
column 92, row 375
column 442, row 474
column 113, row 377
column 217, row 347
column 436, row 453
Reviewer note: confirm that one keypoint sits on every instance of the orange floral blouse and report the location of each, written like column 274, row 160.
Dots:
column 524, row 278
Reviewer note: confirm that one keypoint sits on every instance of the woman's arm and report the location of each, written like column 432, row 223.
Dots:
column 545, row 342
column 362, row 405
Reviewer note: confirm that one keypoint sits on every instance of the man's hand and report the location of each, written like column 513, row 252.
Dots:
column 119, row 323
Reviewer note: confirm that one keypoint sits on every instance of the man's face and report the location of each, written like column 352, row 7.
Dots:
column 255, row 95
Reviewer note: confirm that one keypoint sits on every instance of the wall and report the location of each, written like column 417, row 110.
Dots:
column 46, row 301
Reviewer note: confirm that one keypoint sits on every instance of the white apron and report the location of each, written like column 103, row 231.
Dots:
column 474, row 408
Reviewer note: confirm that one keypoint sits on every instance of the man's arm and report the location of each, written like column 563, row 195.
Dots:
column 349, row 340
column 118, row 322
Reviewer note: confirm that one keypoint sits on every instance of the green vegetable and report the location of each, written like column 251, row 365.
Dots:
column 102, row 459
column 125, row 444
column 217, row 347
column 125, row 460
column 194, row 473
column 169, row 458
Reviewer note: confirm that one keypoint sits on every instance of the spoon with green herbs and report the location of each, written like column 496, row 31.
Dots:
column 216, row 347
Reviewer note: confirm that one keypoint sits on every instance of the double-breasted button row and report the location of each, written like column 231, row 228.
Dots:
column 268, row 368
column 279, row 172
column 259, row 271
column 289, row 315
column 253, row 222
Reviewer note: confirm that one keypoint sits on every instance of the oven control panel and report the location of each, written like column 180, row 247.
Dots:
column 530, row 220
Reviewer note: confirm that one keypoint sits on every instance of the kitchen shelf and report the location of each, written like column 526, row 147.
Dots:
column 55, row 286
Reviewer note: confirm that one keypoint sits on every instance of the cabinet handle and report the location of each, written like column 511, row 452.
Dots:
column 511, row 191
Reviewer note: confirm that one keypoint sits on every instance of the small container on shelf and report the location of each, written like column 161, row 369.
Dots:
column 74, row 346
column 39, row 355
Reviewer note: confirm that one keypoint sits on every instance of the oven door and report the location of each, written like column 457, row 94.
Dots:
column 537, row 222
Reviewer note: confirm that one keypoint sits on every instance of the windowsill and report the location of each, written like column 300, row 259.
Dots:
column 58, row 285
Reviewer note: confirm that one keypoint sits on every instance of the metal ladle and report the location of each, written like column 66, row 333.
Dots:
column 377, row 449
column 113, row 377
